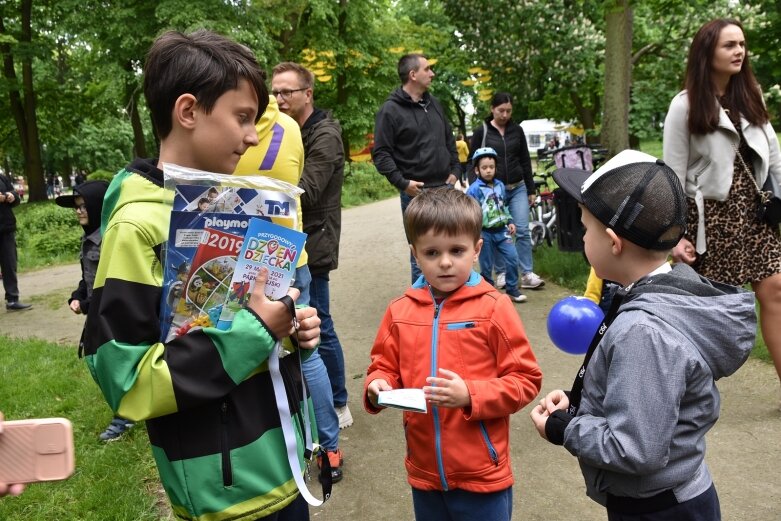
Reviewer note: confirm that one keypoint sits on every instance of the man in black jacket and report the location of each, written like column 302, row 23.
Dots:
column 414, row 147
column 321, row 207
column 8, row 199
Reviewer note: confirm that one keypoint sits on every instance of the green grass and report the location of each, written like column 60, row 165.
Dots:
column 114, row 481
column 568, row 269
column 363, row 184
column 653, row 147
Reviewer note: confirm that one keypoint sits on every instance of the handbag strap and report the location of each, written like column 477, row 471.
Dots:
column 764, row 196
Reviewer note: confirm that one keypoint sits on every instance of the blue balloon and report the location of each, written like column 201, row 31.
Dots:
column 572, row 323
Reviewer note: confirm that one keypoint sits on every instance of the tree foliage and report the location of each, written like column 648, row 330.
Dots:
column 71, row 98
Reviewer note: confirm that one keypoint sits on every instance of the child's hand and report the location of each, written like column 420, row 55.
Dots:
column 449, row 391
column 555, row 400
column 540, row 417
column 275, row 315
column 374, row 388
column 5, row 488
column 308, row 328
column 511, row 228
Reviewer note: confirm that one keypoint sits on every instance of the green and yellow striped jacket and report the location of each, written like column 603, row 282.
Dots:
column 207, row 396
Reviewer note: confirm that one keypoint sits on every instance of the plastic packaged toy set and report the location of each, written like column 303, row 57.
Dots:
column 210, row 219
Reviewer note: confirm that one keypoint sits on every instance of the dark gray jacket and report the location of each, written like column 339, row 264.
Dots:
column 649, row 393
column 322, row 179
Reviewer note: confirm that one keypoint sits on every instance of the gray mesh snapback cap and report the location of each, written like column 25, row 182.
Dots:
column 634, row 194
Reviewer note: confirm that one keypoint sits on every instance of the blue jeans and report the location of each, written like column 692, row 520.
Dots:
column 461, row 505
column 501, row 241
column 317, row 377
column 518, row 203
column 330, row 348
column 413, row 265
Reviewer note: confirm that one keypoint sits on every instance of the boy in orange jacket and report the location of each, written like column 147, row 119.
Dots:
column 462, row 341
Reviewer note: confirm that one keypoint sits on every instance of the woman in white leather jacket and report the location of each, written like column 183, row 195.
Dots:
column 713, row 128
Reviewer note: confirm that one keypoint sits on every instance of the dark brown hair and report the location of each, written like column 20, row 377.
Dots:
column 443, row 210
column 407, row 64
column 204, row 64
column 305, row 76
column 743, row 93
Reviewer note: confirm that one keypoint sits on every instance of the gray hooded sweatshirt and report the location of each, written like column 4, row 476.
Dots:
column 649, row 393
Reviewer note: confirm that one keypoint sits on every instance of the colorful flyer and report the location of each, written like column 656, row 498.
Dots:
column 266, row 245
column 202, row 253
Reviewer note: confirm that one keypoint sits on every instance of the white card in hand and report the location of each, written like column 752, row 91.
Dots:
column 405, row 399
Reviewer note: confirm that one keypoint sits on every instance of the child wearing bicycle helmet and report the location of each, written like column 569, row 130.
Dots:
column 498, row 227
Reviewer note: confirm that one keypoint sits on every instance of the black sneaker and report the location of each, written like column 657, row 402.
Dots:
column 17, row 306
column 116, row 429
column 515, row 295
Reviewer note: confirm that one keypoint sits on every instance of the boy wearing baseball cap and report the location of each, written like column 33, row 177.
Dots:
column 638, row 411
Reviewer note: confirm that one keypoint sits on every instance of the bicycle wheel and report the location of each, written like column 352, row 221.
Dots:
column 537, row 232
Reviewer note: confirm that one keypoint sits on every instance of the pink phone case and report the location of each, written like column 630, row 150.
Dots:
column 36, row 450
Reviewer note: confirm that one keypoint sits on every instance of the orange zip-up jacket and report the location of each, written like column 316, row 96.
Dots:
column 477, row 333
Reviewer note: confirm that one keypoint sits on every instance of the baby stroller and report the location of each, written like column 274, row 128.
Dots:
column 574, row 156
column 570, row 236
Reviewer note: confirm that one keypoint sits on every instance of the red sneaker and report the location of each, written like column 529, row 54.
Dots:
column 336, row 459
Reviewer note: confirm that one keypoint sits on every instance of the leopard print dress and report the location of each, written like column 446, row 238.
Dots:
column 740, row 247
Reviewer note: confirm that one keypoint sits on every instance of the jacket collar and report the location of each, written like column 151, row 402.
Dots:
column 421, row 290
column 315, row 117
column 726, row 123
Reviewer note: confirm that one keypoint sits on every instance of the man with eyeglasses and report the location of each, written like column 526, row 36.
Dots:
column 414, row 147
column 8, row 199
column 280, row 154
column 321, row 202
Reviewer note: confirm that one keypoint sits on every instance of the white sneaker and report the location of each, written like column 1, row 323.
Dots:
column 345, row 418
column 531, row 281
column 500, row 282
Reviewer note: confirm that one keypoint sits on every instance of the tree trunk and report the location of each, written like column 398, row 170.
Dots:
column 618, row 76
column 341, row 76
column 33, row 164
column 585, row 114
column 131, row 102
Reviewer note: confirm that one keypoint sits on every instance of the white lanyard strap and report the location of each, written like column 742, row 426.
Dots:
column 289, row 435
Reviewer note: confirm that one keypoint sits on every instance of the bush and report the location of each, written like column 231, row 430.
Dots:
column 363, row 184
column 46, row 235
column 101, row 175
